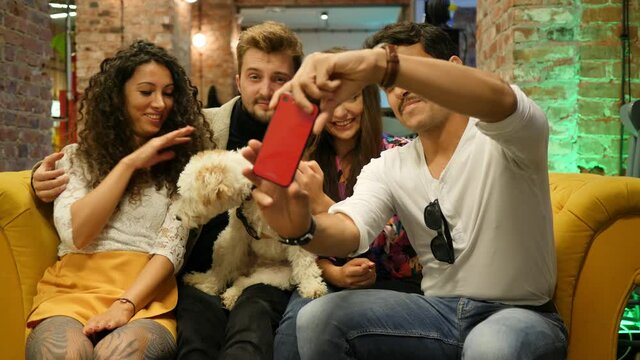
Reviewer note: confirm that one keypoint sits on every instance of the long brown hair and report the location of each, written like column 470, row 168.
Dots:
column 368, row 144
column 107, row 137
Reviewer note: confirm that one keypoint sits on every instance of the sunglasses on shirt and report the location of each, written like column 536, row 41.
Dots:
column 442, row 243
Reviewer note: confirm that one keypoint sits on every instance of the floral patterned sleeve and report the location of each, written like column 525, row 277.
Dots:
column 391, row 250
column 76, row 189
column 172, row 239
column 389, row 141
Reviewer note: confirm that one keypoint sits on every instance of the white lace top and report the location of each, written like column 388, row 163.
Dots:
column 144, row 226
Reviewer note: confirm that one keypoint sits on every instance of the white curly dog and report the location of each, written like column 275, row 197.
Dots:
column 212, row 182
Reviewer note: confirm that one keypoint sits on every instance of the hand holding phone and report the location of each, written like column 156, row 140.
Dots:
column 284, row 141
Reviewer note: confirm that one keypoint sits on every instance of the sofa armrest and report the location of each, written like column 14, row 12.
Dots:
column 596, row 222
column 28, row 245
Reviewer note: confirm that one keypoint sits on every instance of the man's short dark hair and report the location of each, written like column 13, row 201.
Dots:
column 435, row 41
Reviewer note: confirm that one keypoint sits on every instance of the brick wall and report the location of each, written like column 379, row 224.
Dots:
column 566, row 55
column 103, row 27
column 25, row 90
column 214, row 64
column 261, row 3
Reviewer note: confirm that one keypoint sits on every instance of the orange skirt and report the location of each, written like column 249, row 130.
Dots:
column 83, row 285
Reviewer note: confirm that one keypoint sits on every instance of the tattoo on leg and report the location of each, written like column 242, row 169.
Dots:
column 139, row 339
column 58, row 337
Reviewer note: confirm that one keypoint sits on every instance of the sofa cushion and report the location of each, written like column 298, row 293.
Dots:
column 28, row 241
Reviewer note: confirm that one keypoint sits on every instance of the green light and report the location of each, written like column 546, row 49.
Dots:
column 630, row 322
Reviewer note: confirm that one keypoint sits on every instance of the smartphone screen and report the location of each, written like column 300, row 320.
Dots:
column 284, row 141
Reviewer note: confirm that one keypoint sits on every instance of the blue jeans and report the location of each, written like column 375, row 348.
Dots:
column 379, row 324
column 285, row 345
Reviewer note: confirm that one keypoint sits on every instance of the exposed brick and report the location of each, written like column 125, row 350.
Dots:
column 215, row 64
column 609, row 162
column 543, row 15
column 602, row 126
column 525, row 34
column 609, row 13
column 567, row 58
column 101, row 33
column 561, row 113
column 600, row 32
column 566, row 3
column 517, row 3
column 263, row 3
column 595, row 2
column 561, row 146
column 599, row 89
column 543, row 52
column 24, row 92
column 594, row 69
column 9, row 53
column 599, row 146
column 565, row 129
column 555, row 91
column 598, row 52
column 563, row 33
column 597, row 108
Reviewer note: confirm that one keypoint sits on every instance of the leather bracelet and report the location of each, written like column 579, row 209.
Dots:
column 393, row 66
column 304, row 239
column 127, row 301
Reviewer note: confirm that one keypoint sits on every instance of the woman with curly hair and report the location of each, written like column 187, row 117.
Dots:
column 112, row 291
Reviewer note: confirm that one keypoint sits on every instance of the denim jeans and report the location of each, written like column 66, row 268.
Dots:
column 285, row 346
column 379, row 324
column 286, row 342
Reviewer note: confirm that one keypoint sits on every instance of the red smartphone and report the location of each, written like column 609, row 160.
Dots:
column 284, row 141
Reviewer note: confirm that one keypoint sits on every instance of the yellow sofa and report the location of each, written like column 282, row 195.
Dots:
column 597, row 229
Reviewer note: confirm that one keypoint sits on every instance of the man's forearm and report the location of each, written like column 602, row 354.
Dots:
column 335, row 235
column 463, row 89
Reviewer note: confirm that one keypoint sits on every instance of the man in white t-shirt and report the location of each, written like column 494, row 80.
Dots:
column 472, row 191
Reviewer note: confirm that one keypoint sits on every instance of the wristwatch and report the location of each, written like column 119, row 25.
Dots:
column 302, row 240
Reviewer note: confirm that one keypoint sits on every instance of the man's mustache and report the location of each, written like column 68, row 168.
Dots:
column 262, row 98
column 406, row 99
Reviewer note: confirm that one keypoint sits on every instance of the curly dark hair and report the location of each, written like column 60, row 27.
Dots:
column 107, row 135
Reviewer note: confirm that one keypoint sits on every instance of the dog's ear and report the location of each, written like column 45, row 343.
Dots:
column 217, row 194
column 224, row 191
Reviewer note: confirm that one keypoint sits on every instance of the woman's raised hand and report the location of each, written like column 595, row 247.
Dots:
column 155, row 150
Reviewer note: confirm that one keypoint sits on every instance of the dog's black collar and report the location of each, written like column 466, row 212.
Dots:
column 245, row 222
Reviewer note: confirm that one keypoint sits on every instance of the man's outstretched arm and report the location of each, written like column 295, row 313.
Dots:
column 288, row 212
